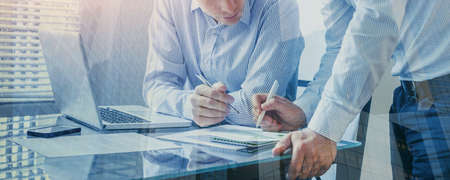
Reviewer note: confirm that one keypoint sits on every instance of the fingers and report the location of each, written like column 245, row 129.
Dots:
column 297, row 161
column 308, row 163
column 328, row 160
column 312, row 154
column 216, row 92
column 220, row 87
column 316, row 169
column 269, row 123
column 256, row 111
column 201, row 101
column 206, row 121
column 257, row 100
column 277, row 103
column 323, row 168
column 282, row 145
column 209, row 113
column 323, row 171
column 272, row 126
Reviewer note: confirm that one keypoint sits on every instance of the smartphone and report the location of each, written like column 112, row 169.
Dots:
column 53, row 131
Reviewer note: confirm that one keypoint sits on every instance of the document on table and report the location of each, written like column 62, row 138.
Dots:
column 228, row 138
column 94, row 144
column 233, row 138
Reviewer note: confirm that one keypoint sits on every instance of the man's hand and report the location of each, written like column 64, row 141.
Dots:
column 312, row 153
column 281, row 114
column 210, row 104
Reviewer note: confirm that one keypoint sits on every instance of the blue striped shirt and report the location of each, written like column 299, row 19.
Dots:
column 362, row 37
column 265, row 45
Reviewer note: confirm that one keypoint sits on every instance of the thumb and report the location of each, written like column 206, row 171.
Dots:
column 282, row 145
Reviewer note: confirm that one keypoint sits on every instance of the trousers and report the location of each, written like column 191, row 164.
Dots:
column 420, row 130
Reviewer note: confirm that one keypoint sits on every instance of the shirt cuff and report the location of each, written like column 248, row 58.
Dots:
column 308, row 104
column 331, row 119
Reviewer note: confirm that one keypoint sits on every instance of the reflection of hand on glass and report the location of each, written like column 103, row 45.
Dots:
column 160, row 162
column 199, row 159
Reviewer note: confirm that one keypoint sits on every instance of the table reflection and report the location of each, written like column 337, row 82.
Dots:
column 18, row 162
column 186, row 161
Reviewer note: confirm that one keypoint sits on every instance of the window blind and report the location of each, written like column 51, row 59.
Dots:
column 23, row 75
column 18, row 162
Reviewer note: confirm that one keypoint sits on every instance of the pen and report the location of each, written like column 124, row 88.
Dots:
column 206, row 82
column 272, row 92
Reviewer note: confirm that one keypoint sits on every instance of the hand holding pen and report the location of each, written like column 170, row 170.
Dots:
column 210, row 103
column 272, row 92
column 275, row 113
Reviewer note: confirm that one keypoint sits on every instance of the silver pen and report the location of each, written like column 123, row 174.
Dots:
column 206, row 82
column 272, row 92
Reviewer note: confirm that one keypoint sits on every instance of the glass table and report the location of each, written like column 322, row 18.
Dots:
column 188, row 161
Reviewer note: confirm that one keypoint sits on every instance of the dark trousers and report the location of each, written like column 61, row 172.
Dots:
column 420, row 131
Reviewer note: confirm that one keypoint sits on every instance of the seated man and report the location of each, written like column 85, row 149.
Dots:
column 240, row 46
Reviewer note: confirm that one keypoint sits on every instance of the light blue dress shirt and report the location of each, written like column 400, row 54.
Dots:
column 363, row 36
column 265, row 45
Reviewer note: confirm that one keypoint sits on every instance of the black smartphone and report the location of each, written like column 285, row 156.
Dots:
column 53, row 131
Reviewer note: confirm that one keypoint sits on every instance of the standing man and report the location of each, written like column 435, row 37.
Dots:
column 363, row 36
column 240, row 46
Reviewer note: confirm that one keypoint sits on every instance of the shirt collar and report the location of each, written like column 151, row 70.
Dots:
column 245, row 13
column 194, row 5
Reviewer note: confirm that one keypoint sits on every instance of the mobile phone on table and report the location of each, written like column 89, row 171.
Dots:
column 53, row 131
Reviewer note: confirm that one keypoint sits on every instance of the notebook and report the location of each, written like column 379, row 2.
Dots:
column 233, row 138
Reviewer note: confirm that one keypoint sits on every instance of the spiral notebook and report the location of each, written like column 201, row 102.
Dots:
column 236, row 138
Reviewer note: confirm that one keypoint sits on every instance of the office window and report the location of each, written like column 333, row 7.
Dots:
column 23, row 75
column 24, row 78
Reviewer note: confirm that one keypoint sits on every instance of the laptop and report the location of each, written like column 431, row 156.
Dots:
column 69, row 77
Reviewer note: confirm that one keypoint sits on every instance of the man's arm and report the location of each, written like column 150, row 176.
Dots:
column 285, row 116
column 275, row 57
column 166, row 72
column 368, row 45
column 337, row 16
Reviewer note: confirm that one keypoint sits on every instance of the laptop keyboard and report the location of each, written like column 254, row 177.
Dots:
column 115, row 116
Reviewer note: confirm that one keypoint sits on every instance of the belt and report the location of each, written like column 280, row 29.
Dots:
column 420, row 91
column 417, row 90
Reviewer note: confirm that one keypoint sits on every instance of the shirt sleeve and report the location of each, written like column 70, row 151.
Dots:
column 166, row 72
column 337, row 16
column 367, row 47
column 275, row 57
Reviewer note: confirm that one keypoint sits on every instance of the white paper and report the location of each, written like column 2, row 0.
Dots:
column 201, row 136
column 94, row 144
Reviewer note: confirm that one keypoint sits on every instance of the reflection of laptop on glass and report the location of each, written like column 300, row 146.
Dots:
column 67, row 68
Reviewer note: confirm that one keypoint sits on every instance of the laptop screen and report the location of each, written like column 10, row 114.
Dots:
column 68, row 76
